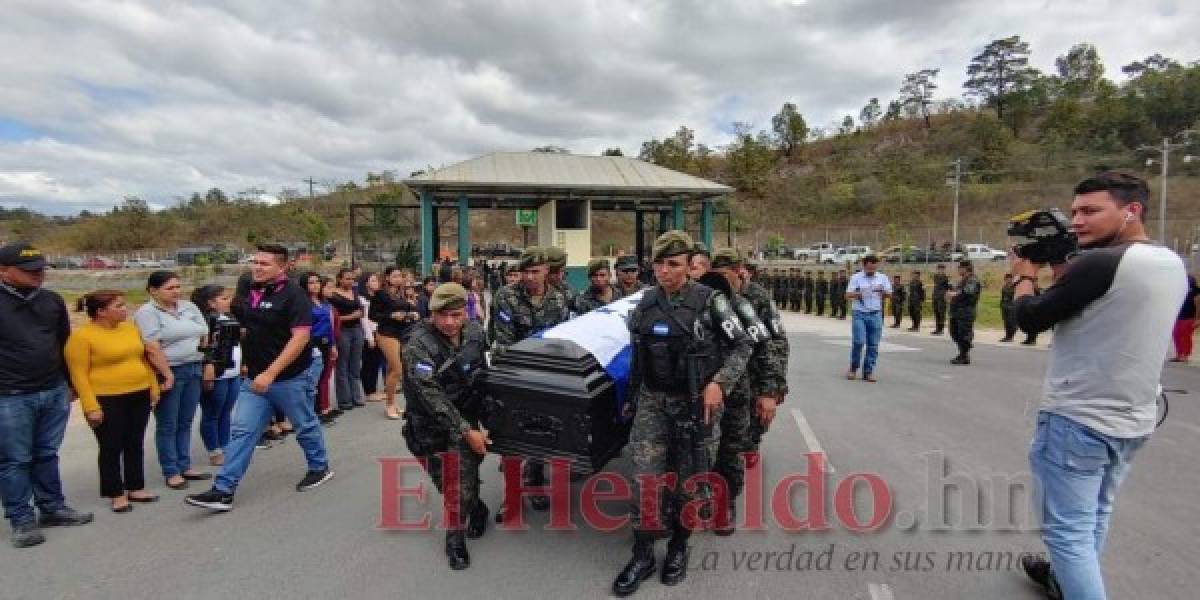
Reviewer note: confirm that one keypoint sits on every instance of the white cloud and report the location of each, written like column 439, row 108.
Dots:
column 163, row 98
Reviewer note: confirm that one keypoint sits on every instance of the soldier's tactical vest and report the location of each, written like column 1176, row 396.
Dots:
column 665, row 338
column 453, row 370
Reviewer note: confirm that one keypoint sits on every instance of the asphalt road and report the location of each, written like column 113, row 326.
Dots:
column 925, row 426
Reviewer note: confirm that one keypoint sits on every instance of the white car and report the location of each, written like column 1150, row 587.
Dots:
column 849, row 254
column 816, row 252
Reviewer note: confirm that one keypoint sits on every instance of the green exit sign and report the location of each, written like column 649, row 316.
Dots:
column 527, row 217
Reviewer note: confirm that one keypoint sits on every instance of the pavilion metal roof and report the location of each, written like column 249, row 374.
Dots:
column 503, row 174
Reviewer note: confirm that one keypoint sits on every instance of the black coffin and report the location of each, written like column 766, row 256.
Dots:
column 553, row 399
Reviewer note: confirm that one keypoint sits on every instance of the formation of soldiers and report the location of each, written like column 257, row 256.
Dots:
column 800, row 290
column 709, row 336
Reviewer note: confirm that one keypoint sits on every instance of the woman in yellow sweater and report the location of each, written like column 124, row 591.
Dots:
column 117, row 389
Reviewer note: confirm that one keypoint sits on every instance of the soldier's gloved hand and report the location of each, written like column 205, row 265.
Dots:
column 765, row 409
column 478, row 441
column 713, row 398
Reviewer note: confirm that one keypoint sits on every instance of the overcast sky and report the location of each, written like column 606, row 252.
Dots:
column 159, row 99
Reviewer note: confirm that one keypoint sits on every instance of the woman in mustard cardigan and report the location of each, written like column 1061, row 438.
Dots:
column 117, row 389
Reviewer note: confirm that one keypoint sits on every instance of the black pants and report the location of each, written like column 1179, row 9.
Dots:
column 962, row 331
column 372, row 363
column 897, row 314
column 939, row 315
column 1010, row 321
column 820, row 305
column 121, row 437
column 914, row 313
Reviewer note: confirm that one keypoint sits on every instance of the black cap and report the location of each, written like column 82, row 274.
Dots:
column 22, row 256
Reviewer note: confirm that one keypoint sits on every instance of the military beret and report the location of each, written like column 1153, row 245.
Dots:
column 726, row 257
column 531, row 257
column 448, row 296
column 672, row 243
column 596, row 265
column 556, row 258
column 627, row 262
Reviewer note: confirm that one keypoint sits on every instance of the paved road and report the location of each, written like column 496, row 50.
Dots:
column 973, row 422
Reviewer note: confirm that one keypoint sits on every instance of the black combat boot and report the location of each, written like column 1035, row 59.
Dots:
column 639, row 568
column 1040, row 571
column 535, row 475
column 961, row 359
column 477, row 523
column 675, row 564
column 456, row 550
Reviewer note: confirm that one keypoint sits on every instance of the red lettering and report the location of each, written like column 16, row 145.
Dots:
column 814, row 483
column 391, row 490
column 690, row 514
column 881, row 499
column 752, row 520
column 591, row 497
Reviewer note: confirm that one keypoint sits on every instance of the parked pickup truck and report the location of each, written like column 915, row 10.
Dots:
column 849, row 254
column 983, row 252
column 820, row 253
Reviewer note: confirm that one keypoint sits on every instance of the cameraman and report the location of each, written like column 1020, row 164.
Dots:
column 1112, row 308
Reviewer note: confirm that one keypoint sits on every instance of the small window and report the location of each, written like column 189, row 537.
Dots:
column 570, row 214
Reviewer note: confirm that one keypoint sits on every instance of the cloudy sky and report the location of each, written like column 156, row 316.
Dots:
column 158, row 99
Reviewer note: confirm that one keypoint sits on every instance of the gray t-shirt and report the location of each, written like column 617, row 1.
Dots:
column 1112, row 311
column 177, row 332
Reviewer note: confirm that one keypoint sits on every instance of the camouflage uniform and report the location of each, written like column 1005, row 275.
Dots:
column 517, row 317
column 766, row 375
column 659, row 411
column 443, row 406
column 589, row 300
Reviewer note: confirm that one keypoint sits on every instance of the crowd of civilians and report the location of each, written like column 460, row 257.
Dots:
column 350, row 331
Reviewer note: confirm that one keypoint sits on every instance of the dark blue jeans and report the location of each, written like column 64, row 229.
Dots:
column 173, row 420
column 216, row 406
column 31, row 431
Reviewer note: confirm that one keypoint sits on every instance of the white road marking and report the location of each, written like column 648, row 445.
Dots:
column 810, row 438
column 880, row 591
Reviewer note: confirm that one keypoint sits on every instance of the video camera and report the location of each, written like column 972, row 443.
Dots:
column 1043, row 236
column 223, row 334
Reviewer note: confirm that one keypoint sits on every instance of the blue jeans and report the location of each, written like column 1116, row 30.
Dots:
column 1076, row 472
column 250, row 416
column 312, row 377
column 173, row 419
column 216, row 406
column 32, row 426
column 866, row 329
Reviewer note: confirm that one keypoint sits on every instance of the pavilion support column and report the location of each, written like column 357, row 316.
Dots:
column 639, row 234
column 706, row 229
column 662, row 222
column 428, row 233
column 464, row 231
column 677, row 215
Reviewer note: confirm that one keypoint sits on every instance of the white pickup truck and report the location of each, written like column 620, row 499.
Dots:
column 849, row 254
column 821, row 253
column 982, row 252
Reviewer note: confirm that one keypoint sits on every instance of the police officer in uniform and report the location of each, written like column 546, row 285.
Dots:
column 599, row 293
column 441, row 360
column 1007, row 291
column 822, row 293
column 797, row 291
column 627, row 276
column 522, row 309
column 679, row 328
column 963, row 300
column 916, row 300
column 899, row 295
column 840, row 294
column 941, row 285
column 749, row 410
column 810, row 290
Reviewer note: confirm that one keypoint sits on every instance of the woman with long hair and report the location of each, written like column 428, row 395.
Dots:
column 349, row 313
column 372, row 358
column 395, row 316
column 172, row 329
column 322, row 344
column 220, row 389
column 117, row 388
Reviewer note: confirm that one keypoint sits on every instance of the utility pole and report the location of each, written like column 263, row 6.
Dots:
column 1166, row 149
column 311, row 198
column 957, row 187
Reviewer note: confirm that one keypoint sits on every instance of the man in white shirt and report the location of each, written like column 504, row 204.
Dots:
column 867, row 291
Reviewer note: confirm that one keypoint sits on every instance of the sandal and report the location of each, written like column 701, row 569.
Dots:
column 144, row 499
column 182, row 485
